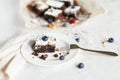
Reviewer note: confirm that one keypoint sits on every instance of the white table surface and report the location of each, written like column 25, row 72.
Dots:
column 97, row 66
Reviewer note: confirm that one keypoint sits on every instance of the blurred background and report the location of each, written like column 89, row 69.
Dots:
column 105, row 25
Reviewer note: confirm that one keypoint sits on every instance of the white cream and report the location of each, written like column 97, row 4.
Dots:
column 41, row 5
column 51, row 40
column 55, row 4
column 71, row 10
column 53, row 12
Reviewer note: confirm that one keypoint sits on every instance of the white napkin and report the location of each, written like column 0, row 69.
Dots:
column 4, row 63
column 15, row 66
column 8, row 56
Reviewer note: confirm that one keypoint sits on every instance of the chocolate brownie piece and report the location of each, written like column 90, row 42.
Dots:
column 44, row 48
column 72, row 11
column 52, row 14
column 37, row 7
column 44, row 44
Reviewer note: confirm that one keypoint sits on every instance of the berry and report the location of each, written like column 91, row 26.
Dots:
column 77, row 39
column 72, row 6
column 81, row 65
column 111, row 40
column 72, row 20
column 44, row 38
column 52, row 25
column 50, row 20
column 65, row 25
column 62, row 57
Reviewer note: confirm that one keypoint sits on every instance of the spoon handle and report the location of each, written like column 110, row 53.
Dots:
column 74, row 46
column 102, row 52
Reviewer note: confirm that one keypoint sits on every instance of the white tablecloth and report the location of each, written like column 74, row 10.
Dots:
column 97, row 66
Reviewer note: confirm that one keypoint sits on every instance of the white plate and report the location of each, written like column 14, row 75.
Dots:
column 62, row 41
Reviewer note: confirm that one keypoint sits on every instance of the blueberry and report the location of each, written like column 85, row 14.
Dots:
column 77, row 39
column 50, row 20
column 111, row 40
column 72, row 6
column 62, row 57
column 81, row 65
column 65, row 25
column 44, row 38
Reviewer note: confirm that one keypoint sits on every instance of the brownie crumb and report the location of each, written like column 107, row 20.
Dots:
column 57, row 49
column 60, row 53
column 35, row 53
column 55, row 55
column 46, row 55
column 68, row 53
column 54, row 39
column 43, row 57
